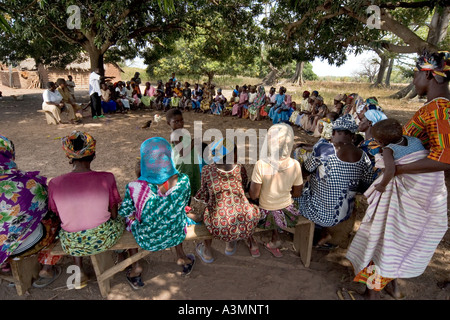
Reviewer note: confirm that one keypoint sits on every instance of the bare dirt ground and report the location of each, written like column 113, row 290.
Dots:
column 239, row 277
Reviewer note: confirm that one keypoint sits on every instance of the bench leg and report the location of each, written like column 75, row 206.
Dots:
column 303, row 240
column 101, row 263
column 23, row 272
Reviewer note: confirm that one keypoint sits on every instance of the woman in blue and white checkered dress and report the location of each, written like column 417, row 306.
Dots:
column 337, row 170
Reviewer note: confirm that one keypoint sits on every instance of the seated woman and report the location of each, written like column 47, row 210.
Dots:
column 53, row 102
column 149, row 95
column 73, row 108
column 218, row 103
column 86, row 202
column 186, row 100
column 303, row 110
column 338, row 170
column 109, row 106
column 256, row 108
column 207, row 98
column 279, row 112
column 121, row 93
column 228, row 215
column 319, row 111
column 197, row 96
column 26, row 225
column 276, row 179
column 154, row 206
column 177, row 95
column 270, row 100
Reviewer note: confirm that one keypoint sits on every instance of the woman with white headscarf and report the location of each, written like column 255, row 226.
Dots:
column 276, row 179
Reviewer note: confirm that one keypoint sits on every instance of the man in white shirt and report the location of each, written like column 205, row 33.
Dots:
column 95, row 94
column 52, row 101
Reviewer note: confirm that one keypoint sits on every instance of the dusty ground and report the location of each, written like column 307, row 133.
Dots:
column 239, row 277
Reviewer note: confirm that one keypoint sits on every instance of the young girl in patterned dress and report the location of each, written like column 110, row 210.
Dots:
column 154, row 207
column 228, row 215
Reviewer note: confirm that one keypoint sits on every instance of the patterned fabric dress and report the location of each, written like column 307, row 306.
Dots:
column 23, row 206
column 329, row 196
column 228, row 215
column 23, row 201
column 157, row 221
column 431, row 124
column 402, row 226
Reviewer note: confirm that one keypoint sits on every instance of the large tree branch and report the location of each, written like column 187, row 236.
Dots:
column 64, row 34
column 408, row 5
column 403, row 32
column 149, row 29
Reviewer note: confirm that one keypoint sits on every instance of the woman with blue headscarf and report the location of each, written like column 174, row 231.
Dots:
column 154, row 206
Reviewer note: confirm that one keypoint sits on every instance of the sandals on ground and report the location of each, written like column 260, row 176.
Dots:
column 135, row 282
column 200, row 251
column 326, row 247
column 274, row 251
column 234, row 248
column 187, row 268
column 43, row 282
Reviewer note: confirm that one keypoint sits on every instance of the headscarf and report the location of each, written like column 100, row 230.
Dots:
column 277, row 146
column 438, row 63
column 345, row 122
column 221, row 148
column 88, row 145
column 374, row 116
column 7, row 154
column 157, row 164
column 369, row 104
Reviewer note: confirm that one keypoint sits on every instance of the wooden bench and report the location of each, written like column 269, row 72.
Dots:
column 105, row 268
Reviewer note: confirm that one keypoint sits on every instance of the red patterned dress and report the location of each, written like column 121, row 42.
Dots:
column 228, row 215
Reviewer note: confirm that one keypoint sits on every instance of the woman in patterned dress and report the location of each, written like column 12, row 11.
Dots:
column 154, row 206
column 26, row 226
column 337, row 171
column 228, row 215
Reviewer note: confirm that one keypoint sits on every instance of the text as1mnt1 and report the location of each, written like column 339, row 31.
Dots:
column 228, row 309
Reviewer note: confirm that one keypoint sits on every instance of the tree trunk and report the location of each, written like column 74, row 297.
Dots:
column 210, row 77
column 297, row 78
column 381, row 71
column 387, row 81
column 97, row 60
column 271, row 77
column 439, row 26
column 403, row 92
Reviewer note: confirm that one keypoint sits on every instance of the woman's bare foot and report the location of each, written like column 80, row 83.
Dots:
column 370, row 294
column 135, row 271
column 324, row 240
column 393, row 289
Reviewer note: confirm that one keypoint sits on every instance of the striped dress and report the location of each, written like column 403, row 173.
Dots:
column 403, row 225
